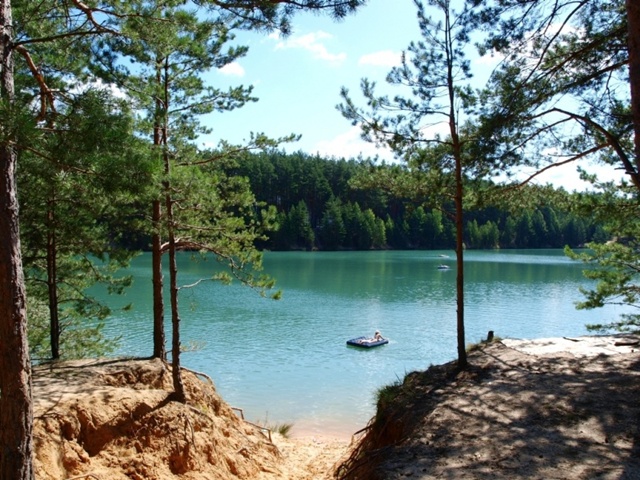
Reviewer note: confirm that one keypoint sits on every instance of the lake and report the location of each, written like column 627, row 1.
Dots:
column 286, row 361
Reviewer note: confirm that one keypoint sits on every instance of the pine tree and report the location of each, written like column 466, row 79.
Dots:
column 74, row 209
column 435, row 71
column 332, row 229
column 561, row 96
column 16, row 415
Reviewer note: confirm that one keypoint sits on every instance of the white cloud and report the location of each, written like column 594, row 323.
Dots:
column 383, row 58
column 311, row 42
column 566, row 176
column 97, row 84
column 233, row 69
column 488, row 60
column 350, row 145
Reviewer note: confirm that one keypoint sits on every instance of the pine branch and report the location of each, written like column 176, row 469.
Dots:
column 46, row 94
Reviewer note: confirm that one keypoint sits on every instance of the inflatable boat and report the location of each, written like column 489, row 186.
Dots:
column 366, row 342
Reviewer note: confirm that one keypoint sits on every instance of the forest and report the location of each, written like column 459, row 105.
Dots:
column 102, row 104
column 320, row 207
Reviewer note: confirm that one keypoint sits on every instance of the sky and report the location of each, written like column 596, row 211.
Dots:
column 298, row 80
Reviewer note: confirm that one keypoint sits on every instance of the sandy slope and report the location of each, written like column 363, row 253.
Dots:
column 545, row 409
column 112, row 419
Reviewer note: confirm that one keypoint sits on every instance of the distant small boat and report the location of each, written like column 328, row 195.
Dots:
column 366, row 342
column 443, row 267
column 442, row 255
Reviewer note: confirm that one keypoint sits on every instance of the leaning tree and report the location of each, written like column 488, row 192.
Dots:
column 567, row 92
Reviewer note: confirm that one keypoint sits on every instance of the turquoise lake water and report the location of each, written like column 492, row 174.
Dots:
column 287, row 361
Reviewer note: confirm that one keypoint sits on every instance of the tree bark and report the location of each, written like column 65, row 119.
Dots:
column 633, row 24
column 163, row 80
column 178, row 386
column 158, row 282
column 459, row 190
column 16, row 409
column 462, row 347
column 52, row 282
column 159, row 141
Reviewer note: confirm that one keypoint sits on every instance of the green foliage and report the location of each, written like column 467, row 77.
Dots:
column 388, row 206
column 387, row 394
column 472, row 347
column 433, row 80
column 219, row 215
column 161, row 60
column 74, row 210
column 295, row 230
column 561, row 94
column 283, row 429
column 615, row 266
column 332, row 230
column 80, row 338
column 613, row 257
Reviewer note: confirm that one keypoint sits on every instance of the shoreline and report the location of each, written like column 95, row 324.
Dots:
column 336, row 431
column 523, row 409
column 315, row 431
column 584, row 345
column 581, row 346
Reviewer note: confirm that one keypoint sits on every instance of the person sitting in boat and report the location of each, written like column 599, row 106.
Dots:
column 377, row 336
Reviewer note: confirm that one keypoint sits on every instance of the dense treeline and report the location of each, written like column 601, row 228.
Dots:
column 318, row 208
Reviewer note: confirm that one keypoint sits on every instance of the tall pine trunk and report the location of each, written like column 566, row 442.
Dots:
column 163, row 121
column 16, row 409
column 458, row 195
column 159, row 139
column 462, row 348
column 633, row 22
column 158, row 282
column 178, row 385
column 52, row 281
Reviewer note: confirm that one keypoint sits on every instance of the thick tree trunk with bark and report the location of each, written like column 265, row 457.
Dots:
column 633, row 22
column 16, row 409
column 16, row 415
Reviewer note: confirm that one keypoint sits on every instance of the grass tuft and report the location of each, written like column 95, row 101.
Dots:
column 472, row 347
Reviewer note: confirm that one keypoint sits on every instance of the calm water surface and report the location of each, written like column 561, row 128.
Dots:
column 286, row 361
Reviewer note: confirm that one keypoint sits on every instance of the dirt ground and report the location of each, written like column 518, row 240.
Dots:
column 113, row 419
column 547, row 409
column 543, row 409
